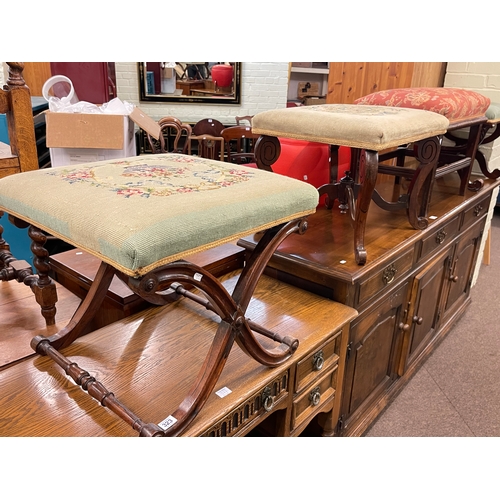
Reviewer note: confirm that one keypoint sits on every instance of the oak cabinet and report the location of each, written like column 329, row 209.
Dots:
column 413, row 288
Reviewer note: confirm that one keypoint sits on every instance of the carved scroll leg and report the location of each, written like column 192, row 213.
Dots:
column 267, row 151
column 83, row 315
column 368, row 163
column 236, row 326
column 420, row 190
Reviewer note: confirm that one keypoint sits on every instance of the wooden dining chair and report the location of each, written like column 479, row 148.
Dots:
column 15, row 103
column 241, row 119
column 209, row 126
column 21, row 156
column 240, row 144
column 174, row 136
column 207, row 146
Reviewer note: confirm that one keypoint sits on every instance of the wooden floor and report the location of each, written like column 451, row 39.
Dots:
column 21, row 320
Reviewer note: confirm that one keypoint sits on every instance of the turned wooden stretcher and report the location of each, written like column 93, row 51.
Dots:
column 143, row 217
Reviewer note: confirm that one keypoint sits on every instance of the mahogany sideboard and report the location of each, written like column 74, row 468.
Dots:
column 414, row 287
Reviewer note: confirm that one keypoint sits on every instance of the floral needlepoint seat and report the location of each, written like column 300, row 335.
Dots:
column 143, row 217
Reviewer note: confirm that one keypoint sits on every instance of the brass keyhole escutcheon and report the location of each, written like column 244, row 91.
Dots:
column 477, row 210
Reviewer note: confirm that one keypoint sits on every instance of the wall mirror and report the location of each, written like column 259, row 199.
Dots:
column 195, row 82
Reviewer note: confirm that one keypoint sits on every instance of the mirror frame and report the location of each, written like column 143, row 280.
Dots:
column 191, row 99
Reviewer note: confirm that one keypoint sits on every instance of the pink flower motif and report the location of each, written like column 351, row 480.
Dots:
column 130, row 192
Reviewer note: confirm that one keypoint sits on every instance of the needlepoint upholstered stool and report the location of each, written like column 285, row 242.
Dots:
column 368, row 130
column 142, row 217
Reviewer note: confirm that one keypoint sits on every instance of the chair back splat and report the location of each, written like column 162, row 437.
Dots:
column 240, row 144
column 207, row 146
column 174, row 136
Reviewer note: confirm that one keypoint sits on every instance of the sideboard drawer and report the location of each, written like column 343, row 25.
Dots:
column 475, row 212
column 256, row 407
column 314, row 398
column 314, row 365
column 439, row 237
column 386, row 275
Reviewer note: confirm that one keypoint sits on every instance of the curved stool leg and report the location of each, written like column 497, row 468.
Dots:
column 368, row 163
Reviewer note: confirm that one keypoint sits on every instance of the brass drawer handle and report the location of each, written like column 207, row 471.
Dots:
column 267, row 399
column 389, row 274
column 315, row 396
column 440, row 237
column 318, row 361
column 477, row 210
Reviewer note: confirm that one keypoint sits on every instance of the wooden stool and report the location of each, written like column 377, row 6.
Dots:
column 368, row 130
column 142, row 217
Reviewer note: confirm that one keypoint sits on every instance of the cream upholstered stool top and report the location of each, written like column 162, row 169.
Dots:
column 369, row 129
column 142, row 217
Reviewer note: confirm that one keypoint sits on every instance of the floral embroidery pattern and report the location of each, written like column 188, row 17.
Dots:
column 155, row 175
column 453, row 103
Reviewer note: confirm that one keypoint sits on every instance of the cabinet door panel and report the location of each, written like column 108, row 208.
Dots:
column 424, row 306
column 463, row 267
column 374, row 353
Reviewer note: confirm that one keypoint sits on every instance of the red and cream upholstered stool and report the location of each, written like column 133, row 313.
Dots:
column 466, row 111
column 142, row 217
column 367, row 130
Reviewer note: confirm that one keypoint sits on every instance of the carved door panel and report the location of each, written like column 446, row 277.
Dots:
column 462, row 268
column 424, row 307
column 373, row 354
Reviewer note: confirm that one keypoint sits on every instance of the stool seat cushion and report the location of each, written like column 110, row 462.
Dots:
column 142, row 212
column 454, row 103
column 364, row 127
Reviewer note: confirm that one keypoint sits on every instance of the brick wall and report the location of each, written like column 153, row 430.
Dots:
column 482, row 77
column 263, row 86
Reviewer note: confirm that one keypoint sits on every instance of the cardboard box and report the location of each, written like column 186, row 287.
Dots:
column 75, row 138
column 312, row 100
column 305, row 89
